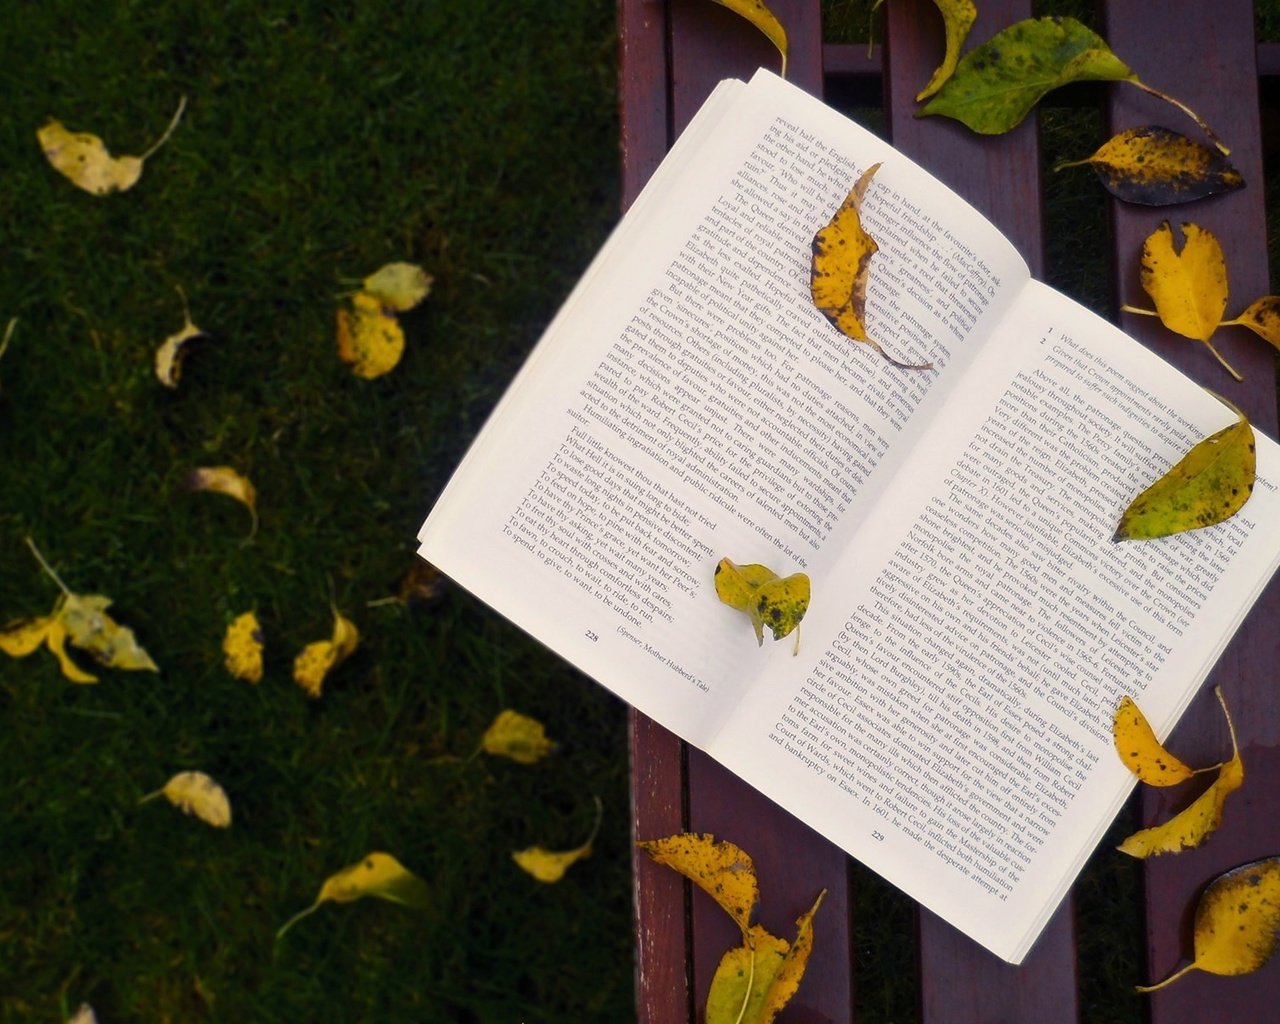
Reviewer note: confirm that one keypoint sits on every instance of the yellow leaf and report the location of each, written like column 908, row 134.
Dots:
column 721, row 869
column 1187, row 285
column 787, row 981
column 779, row 603
column 1236, row 922
column 89, row 627
column 225, row 480
column 743, row 978
column 399, row 286
column 550, row 865
column 842, row 254
column 1262, row 317
column 1209, row 484
column 84, row 159
column 1154, row 166
column 518, row 737
column 758, row 13
column 18, row 639
column 196, row 793
column 1141, row 752
column 56, row 639
column 170, row 354
column 958, row 17
column 369, row 338
column 1190, row 828
column 316, row 659
column 84, row 1015
column 242, row 648
column 375, row 874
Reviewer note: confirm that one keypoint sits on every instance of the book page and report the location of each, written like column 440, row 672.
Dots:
column 950, row 724
column 691, row 403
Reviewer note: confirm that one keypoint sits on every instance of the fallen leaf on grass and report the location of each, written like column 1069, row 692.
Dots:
column 1236, row 923
column 1209, row 484
column 198, row 794
column 842, row 253
column 10, row 327
column 242, row 648
column 376, row 874
column 518, row 737
column 767, row 599
column 225, row 480
column 1153, row 166
column 722, row 870
column 1141, row 752
column 1190, row 828
column 758, row 13
column 550, row 865
column 84, row 1015
column 315, row 661
column 995, row 85
column 173, row 350
column 398, row 286
column 83, row 158
column 370, row 339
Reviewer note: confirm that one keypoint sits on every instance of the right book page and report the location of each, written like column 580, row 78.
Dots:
column 954, row 730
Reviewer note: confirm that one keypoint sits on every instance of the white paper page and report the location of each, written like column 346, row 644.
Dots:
column 948, row 720
column 690, row 403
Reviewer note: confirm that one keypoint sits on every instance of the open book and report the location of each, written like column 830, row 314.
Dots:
column 947, row 717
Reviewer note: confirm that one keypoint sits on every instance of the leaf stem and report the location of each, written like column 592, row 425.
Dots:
column 1222, row 148
column 46, row 566
column 151, row 796
column 8, row 333
column 1167, row 981
column 751, row 980
column 1126, row 308
column 173, row 123
column 1218, row 355
column 296, row 918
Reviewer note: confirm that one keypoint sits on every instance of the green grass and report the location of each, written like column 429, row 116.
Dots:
column 320, row 141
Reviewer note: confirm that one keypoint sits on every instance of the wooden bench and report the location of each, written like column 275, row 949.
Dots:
column 672, row 53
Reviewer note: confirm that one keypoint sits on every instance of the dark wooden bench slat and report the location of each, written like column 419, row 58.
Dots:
column 1204, row 55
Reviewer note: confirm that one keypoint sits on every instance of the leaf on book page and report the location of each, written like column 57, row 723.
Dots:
column 1237, row 920
column 198, row 794
column 376, row 874
column 399, row 286
column 317, row 659
column 173, row 350
column 767, row 599
column 1210, row 484
column 550, row 865
column 1141, row 752
column 842, row 254
column 1262, row 317
column 225, row 480
column 758, row 13
column 996, row 84
column 1192, row 826
column 242, row 648
column 519, row 737
column 1153, row 166
column 958, row 17
column 722, row 870
column 86, row 162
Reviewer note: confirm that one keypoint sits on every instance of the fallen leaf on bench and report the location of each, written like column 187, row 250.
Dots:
column 225, row 480
column 242, row 648
column 996, row 85
column 758, row 13
column 85, row 161
column 1236, row 922
column 842, row 254
column 399, row 286
column 376, row 874
column 1192, row 826
column 317, row 659
column 198, row 794
column 1154, row 166
column 1141, row 752
column 550, row 865
column 958, row 17
column 721, row 869
column 754, row 981
column 1209, row 484
column 767, row 599
column 518, row 737
column 173, row 350
column 1262, row 317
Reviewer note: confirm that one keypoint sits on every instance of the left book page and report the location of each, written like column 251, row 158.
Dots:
column 688, row 402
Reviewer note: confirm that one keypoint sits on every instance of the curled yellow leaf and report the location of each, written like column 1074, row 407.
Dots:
column 84, row 159
column 242, row 648
column 314, row 662
column 550, row 865
column 1195, row 824
column 758, row 13
column 18, row 639
column 369, row 338
column 1236, row 923
column 225, row 480
column 89, row 627
column 198, row 794
column 786, row 981
column 1141, row 752
column 721, row 869
column 958, row 17
column 518, row 737
column 767, row 599
column 399, row 286
column 56, row 640
column 172, row 351
column 376, row 874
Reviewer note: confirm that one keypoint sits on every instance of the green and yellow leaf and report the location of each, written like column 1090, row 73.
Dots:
column 744, row 977
column 376, row 874
column 399, row 286
column 721, row 869
column 958, row 17
column 1209, row 484
column 1236, row 924
column 766, row 599
column 517, row 737
column 89, row 627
